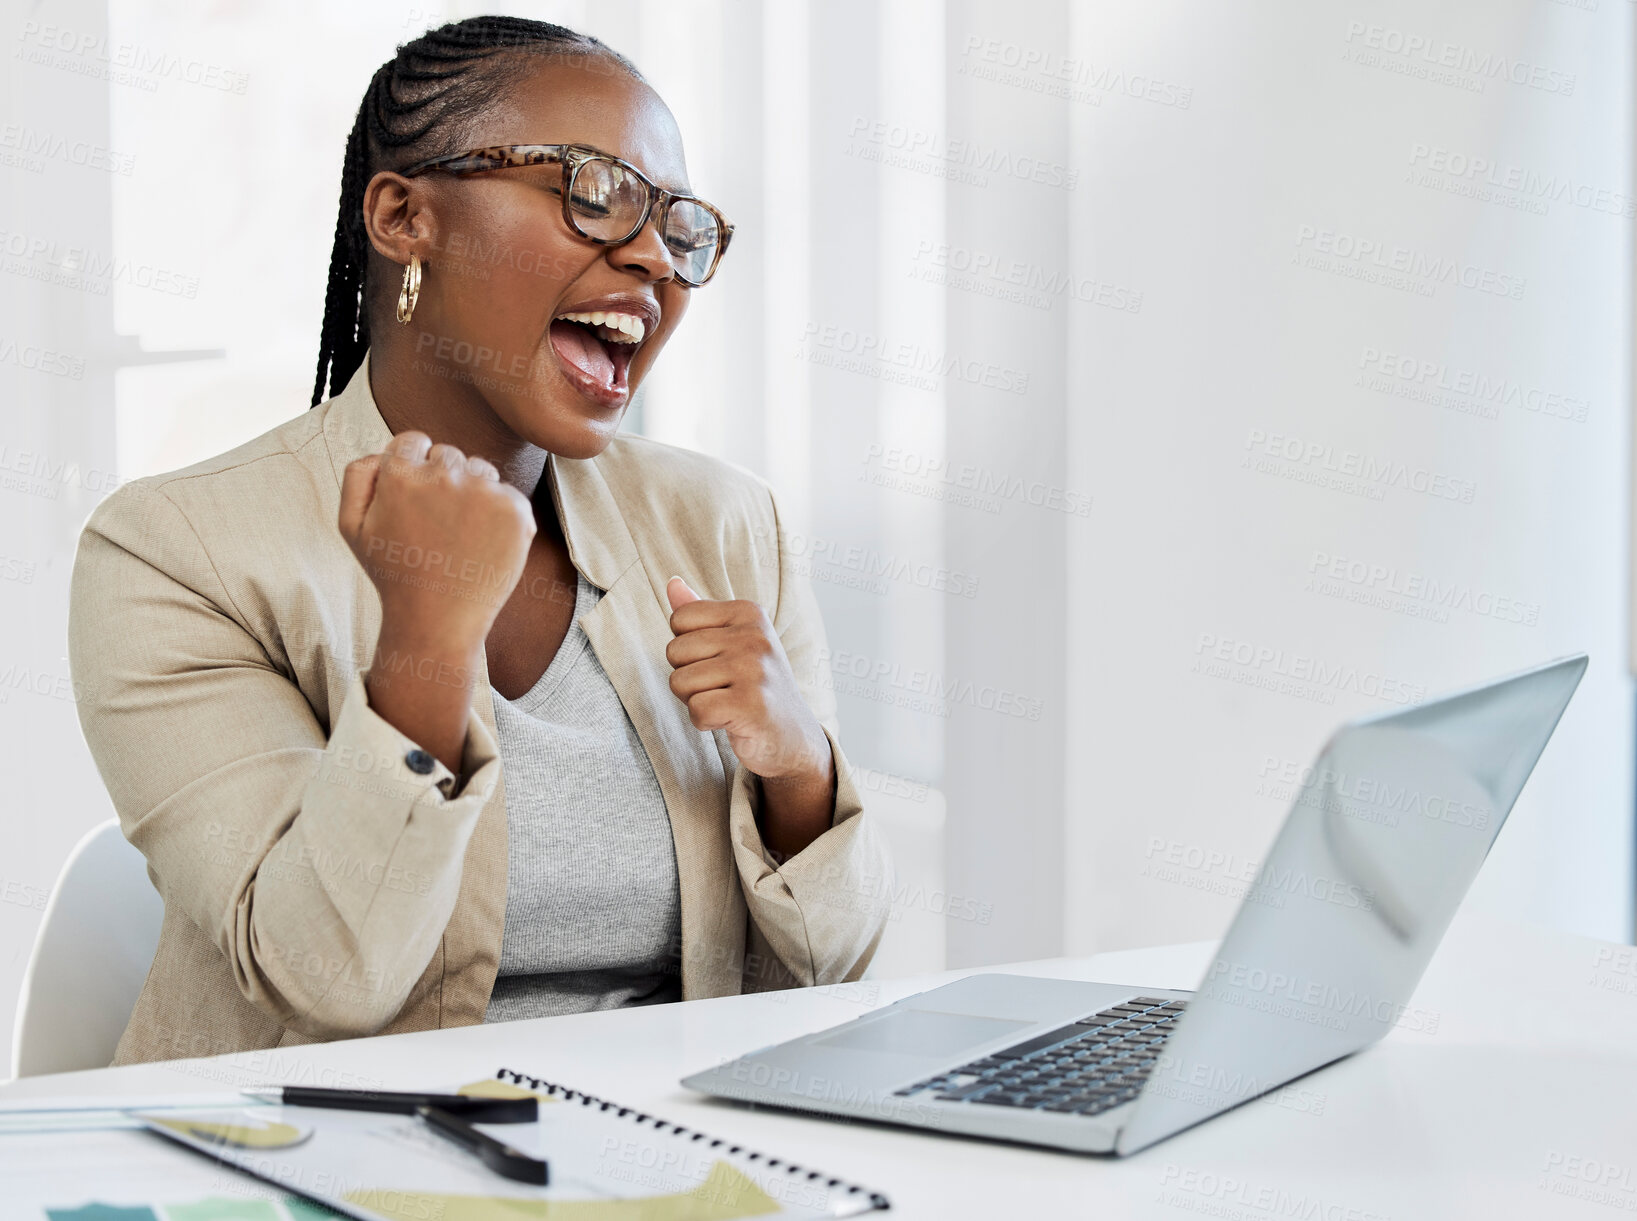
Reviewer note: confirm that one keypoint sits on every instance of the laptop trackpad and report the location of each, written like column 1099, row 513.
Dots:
column 921, row 1032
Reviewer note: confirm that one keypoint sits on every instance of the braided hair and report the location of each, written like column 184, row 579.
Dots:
column 417, row 105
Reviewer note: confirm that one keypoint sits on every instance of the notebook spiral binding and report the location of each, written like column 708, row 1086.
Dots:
column 877, row 1200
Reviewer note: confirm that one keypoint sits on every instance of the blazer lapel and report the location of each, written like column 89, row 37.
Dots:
column 628, row 630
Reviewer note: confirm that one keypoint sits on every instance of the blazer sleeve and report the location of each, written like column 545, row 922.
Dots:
column 324, row 866
column 817, row 917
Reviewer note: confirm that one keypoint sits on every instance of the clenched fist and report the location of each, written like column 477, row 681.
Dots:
column 730, row 668
column 441, row 536
column 444, row 540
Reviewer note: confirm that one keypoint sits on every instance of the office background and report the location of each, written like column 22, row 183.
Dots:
column 1152, row 386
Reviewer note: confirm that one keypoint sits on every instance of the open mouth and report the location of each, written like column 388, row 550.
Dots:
column 596, row 349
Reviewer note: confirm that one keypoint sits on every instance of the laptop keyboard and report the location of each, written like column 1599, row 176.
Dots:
column 1086, row 1067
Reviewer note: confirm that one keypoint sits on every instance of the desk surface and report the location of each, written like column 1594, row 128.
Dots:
column 1510, row 1090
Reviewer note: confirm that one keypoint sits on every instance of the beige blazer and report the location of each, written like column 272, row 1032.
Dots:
column 315, row 886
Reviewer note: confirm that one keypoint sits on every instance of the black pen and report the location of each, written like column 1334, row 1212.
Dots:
column 470, row 1108
column 497, row 1155
column 450, row 1115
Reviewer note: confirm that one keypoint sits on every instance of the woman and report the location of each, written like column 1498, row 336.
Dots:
column 446, row 702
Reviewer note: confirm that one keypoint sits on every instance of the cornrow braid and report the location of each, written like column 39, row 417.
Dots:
column 418, row 105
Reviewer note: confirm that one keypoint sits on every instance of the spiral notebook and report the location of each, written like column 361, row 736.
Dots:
column 608, row 1163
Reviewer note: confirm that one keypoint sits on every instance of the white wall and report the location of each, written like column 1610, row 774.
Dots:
column 1147, row 176
column 1298, row 127
column 58, row 353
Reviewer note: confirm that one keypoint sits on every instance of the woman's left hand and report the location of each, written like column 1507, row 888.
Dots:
column 729, row 667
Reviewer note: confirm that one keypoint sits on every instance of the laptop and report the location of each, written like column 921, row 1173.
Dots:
column 1384, row 836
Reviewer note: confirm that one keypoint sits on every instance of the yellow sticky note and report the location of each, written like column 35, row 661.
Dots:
column 493, row 1088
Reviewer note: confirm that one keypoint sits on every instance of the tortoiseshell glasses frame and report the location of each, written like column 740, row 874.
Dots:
column 574, row 158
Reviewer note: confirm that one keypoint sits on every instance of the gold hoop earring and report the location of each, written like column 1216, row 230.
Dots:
column 411, row 291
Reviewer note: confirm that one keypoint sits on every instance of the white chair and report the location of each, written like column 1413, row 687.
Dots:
column 94, row 948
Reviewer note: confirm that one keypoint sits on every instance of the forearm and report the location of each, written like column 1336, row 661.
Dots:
column 822, row 911
column 797, row 809
column 422, row 686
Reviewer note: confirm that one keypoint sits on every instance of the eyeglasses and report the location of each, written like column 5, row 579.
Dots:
column 608, row 201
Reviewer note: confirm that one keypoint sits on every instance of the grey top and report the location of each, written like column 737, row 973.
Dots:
column 593, row 905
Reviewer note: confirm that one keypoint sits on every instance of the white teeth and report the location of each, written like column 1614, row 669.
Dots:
column 618, row 327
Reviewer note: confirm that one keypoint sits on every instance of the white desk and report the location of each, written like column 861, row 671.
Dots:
column 1521, row 1101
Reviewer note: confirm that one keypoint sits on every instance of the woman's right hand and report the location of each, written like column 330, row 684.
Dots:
column 440, row 535
column 444, row 541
